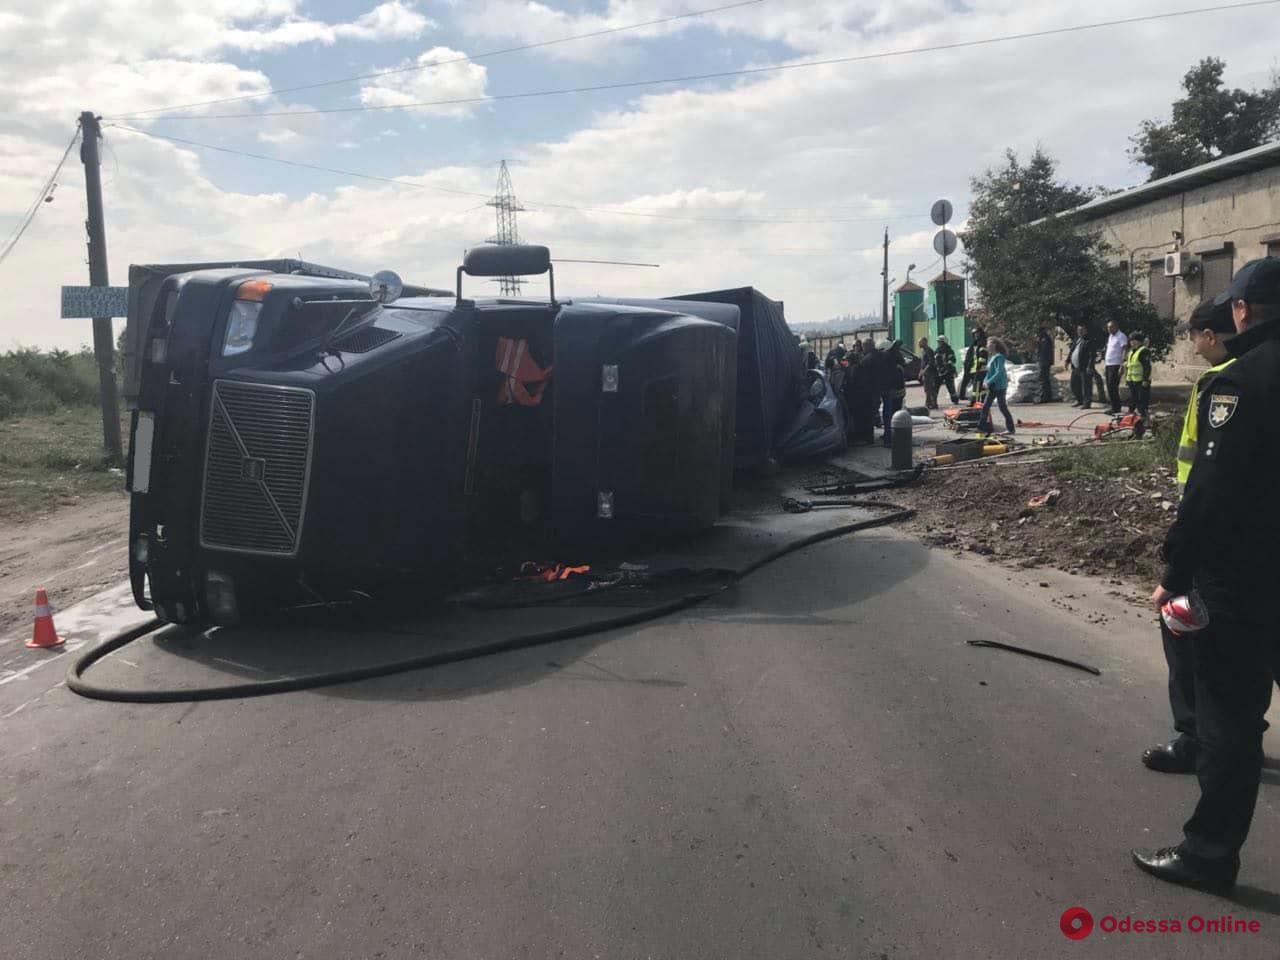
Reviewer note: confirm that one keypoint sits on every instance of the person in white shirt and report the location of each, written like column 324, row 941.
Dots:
column 1117, row 343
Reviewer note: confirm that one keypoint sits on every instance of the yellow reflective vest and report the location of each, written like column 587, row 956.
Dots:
column 1187, row 442
column 1133, row 372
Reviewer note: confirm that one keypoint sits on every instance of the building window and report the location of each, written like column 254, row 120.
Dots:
column 1160, row 290
column 1215, row 273
column 1273, row 248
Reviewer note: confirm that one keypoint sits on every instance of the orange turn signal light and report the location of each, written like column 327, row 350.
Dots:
column 254, row 291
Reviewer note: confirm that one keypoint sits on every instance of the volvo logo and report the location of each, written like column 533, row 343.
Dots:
column 253, row 468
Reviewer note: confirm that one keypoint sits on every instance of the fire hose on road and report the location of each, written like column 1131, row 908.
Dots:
column 77, row 683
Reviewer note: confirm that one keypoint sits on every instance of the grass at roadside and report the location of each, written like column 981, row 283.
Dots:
column 1111, row 459
column 51, row 460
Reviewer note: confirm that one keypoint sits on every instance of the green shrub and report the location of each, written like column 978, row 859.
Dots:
column 36, row 382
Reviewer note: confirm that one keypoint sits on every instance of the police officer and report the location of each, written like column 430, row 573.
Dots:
column 1211, row 326
column 1223, row 543
column 1137, row 374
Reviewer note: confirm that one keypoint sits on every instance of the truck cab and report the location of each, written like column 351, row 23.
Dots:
column 300, row 436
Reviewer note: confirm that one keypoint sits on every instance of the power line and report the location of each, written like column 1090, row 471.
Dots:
column 724, row 74
column 610, row 263
column 440, row 63
column 30, row 215
column 531, row 203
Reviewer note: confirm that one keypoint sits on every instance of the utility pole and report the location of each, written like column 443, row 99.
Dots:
column 884, row 278
column 103, row 342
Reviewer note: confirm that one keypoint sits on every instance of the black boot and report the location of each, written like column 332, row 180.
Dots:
column 1176, row 756
column 1171, row 864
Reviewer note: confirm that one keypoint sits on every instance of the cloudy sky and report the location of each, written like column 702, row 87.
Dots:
column 782, row 180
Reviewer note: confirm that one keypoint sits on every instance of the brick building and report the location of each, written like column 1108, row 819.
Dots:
column 1181, row 238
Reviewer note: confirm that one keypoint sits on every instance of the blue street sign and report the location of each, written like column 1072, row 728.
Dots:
column 95, row 301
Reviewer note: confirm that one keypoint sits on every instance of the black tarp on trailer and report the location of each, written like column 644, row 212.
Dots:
column 770, row 371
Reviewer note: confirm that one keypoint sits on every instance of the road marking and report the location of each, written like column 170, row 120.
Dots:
column 22, row 706
column 22, row 674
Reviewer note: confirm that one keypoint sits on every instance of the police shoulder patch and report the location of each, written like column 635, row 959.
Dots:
column 1222, row 407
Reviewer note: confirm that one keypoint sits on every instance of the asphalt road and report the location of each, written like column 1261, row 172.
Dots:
column 813, row 765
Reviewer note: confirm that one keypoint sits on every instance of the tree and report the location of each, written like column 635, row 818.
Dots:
column 1032, row 265
column 1209, row 122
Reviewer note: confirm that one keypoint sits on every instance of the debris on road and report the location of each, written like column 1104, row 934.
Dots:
column 1074, row 664
column 1045, row 499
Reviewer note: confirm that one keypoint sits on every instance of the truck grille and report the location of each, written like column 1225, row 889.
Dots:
column 257, row 468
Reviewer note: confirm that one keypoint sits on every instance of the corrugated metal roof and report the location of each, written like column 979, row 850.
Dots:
column 1215, row 171
column 944, row 277
column 908, row 286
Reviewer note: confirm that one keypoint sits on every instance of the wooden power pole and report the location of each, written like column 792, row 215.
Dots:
column 103, row 341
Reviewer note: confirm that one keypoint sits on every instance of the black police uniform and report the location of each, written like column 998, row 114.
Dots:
column 1044, row 360
column 944, row 362
column 1224, row 544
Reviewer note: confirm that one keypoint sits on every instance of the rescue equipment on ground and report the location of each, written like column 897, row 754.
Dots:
column 551, row 572
column 1130, row 421
column 960, row 449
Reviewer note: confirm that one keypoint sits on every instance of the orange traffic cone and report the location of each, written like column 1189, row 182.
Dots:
column 44, row 635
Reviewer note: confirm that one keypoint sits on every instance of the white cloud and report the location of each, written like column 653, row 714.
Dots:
column 804, row 25
column 129, row 87
column 388, row 21
column 448, row 81
column 393, row 20
column 279, row 136
column 122, row 30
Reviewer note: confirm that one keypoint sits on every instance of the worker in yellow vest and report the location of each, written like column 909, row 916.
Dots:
column 1210, row 329
column 1137, row 373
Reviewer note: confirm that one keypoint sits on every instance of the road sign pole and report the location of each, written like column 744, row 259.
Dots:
column 103, row 342
column 884, row 282
column 944, row 243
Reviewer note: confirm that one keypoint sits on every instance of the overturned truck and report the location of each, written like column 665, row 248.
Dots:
column 302, row 434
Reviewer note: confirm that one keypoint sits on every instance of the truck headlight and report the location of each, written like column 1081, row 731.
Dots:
column 242, row 325
column 220, row 598
column 242, row 322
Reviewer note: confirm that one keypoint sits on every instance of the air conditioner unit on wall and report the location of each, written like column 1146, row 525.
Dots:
column 1178, row 265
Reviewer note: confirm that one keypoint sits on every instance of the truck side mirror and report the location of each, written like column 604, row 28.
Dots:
column 507, row 260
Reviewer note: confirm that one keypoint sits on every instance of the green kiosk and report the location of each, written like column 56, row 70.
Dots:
column 910, row 321
column 946, row 311
column 916, row 315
